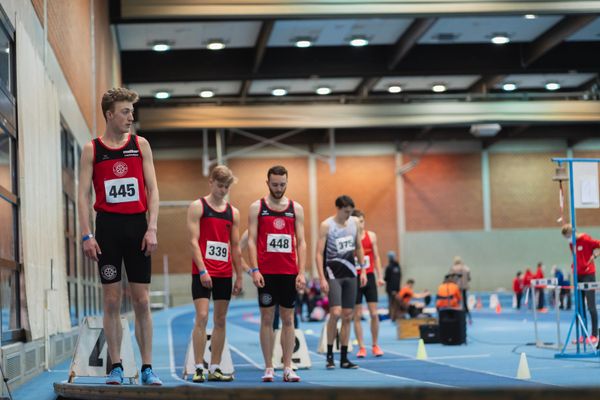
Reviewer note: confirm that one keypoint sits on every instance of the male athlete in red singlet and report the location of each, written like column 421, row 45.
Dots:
column 213, row 226
column 119, row 165
column 369, row 291
column 277, row 252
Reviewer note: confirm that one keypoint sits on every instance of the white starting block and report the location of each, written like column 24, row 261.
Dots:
column 300, row 356
column 189, row 366
column 588, row 285
column 336, row 340
column 91, row 359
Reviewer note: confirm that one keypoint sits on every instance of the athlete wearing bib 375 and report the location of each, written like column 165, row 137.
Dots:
column 337, row 246
column 119, row 165
column 369, row 291
column 277, row 251
column 214, row 239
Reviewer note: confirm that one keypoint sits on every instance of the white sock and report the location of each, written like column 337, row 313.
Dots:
column 213, row 368
column 201, row 366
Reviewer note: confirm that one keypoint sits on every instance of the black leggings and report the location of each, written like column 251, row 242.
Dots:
column 590, row 299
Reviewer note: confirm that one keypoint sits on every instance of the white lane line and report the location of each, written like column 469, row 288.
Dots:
column 246, row 357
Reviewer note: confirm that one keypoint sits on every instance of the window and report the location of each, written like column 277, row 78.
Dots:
column 10, row 265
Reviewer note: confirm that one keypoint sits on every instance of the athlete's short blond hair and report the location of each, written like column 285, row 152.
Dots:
column 117, row 94
column 223, row 175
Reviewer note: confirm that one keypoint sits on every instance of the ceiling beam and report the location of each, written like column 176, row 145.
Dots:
column 408, row 40
column 365, row 86
column 485, row 83
column 554, row 36
column 261, row 44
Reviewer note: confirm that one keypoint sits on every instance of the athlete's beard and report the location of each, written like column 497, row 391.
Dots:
column 275, row 196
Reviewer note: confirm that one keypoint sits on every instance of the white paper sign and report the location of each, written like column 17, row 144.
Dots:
column 585, row 181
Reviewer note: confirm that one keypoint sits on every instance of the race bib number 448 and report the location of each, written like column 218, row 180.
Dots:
column 121, row 190
column 279, row 243
column 344, row 244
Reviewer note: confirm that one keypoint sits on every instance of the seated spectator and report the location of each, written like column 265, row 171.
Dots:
column 405, row 304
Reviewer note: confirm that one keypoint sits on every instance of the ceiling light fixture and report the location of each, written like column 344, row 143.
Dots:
column 395, row 89
column 206, row 93
column 161, row 45
column 215, row 44
column 500, row 38
column 509, row 87
column 359, row 41
column 323, row 90
column 162, row 94
column 439, row 88
column 552, row 86
column 530, row 16
column 303, row 42
column 279, row 92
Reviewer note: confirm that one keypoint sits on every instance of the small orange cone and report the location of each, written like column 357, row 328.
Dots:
column 498, row 308
column 479, row 306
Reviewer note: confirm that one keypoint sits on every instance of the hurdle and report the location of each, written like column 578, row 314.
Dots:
column 579, row 317
column 549, row 283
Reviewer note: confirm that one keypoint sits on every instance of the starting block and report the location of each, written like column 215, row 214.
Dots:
column 336, row 340
column 189, row 366
column 300, row 356
column 90, row 358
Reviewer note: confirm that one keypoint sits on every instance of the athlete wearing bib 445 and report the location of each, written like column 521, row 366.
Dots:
column 338, row 244
column 213, row 226
column 277, row 252
column 369, row 291
column 119, row 165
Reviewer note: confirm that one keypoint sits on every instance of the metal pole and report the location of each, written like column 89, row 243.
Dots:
column 219, row 145
column 332, row 150
column 205, row 158
column 557, row 290
column 167, row 290
column 578, row 305
column 535, row 323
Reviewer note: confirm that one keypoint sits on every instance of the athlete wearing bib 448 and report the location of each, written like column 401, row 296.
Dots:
column 369, row 291
column 119, row 165
column 213, row 226
column 277, row 252
column 338, row 244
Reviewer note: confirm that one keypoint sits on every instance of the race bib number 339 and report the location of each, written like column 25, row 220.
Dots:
column 279, row 243
column 121, row 190
column 344, row 244
column 217, row 251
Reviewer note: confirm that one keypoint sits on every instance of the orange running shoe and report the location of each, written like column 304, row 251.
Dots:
column 377, row 352
column 362, row 353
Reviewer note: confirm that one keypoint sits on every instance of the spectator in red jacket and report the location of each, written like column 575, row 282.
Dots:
column 588, row 248
column 527, row 277
column 518, row 288
column 539, row 274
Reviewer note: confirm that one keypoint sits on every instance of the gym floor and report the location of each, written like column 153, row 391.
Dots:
column 490, row 359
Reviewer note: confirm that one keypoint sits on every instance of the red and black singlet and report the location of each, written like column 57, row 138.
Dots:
column 118, row 178
column 276, row 240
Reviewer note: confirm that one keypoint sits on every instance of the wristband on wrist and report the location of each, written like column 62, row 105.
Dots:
column 203, row 272
column 87, row 237
column 252, row 270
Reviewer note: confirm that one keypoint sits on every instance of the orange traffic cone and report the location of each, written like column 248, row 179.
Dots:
column 498, row 308
column 479, row 306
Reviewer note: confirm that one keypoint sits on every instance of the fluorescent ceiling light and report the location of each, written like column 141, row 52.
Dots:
column 323, row 90
column 439, row 88
column 509, row 87
column 530, row 16
column 303, row 42
column 206, row 93
column 500, row 39
column 359, row 41
column 161, row 45
column 215, row 44
column 552, row 86
column 279, row 92
column 162, row 94
column 395, row 89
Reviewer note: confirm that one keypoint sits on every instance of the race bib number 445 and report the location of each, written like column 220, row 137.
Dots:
column 279, row 243
column 217, row 251
column 121, row 190
column 344, row 244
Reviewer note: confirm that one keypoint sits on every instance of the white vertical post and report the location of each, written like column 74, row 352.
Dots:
column 205, row 158
column 400, row 209
column 167, row 289
column 332, row 150
column 313, row 209
column 219, row 145
column 486, row 193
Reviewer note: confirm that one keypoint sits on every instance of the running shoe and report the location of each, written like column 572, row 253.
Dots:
column 219, row 376
column 198, row 376
column 592, row 340
column 348, row 365
column 377, row 352
column 269, row 375
column 330, row 364
column 362, row 353
column 115, row 376
column 150, row 378
column 290, row 376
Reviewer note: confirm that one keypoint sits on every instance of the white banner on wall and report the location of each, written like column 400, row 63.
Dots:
column 585, row 183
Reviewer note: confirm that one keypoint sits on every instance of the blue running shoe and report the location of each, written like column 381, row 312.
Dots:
column 150, row 378
column 115, row 377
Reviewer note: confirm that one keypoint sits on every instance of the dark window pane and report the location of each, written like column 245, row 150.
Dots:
column 6, row 54
column 8, row 300
column 6, row 162
column 7, row 230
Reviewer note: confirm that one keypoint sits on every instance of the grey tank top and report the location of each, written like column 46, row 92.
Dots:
column 339, row 249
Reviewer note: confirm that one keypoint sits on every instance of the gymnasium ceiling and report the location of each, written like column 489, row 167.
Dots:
column 550, row 58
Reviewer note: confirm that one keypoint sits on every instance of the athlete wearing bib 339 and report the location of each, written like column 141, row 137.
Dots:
column 277, row 251
column 120, row 167
column 337, row 246
column 213, row 226
column 369, row 291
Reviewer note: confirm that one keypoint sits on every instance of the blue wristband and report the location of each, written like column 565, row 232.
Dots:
column 87, row 237
column 203, row 272
column 253, row 270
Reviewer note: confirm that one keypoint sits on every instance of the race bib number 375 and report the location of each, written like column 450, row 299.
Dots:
column 121, row 190
column 344, row 244
column 279, row 243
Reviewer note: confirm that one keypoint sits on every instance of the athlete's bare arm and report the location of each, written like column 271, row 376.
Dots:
column 236, row 254
column 376, row 258
column 257, row 277
column 150, row 243
column 86, row 170
column 194, row 214
column 323, row 229
column 244, row 248
column 300, row 246
column 360, row 253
